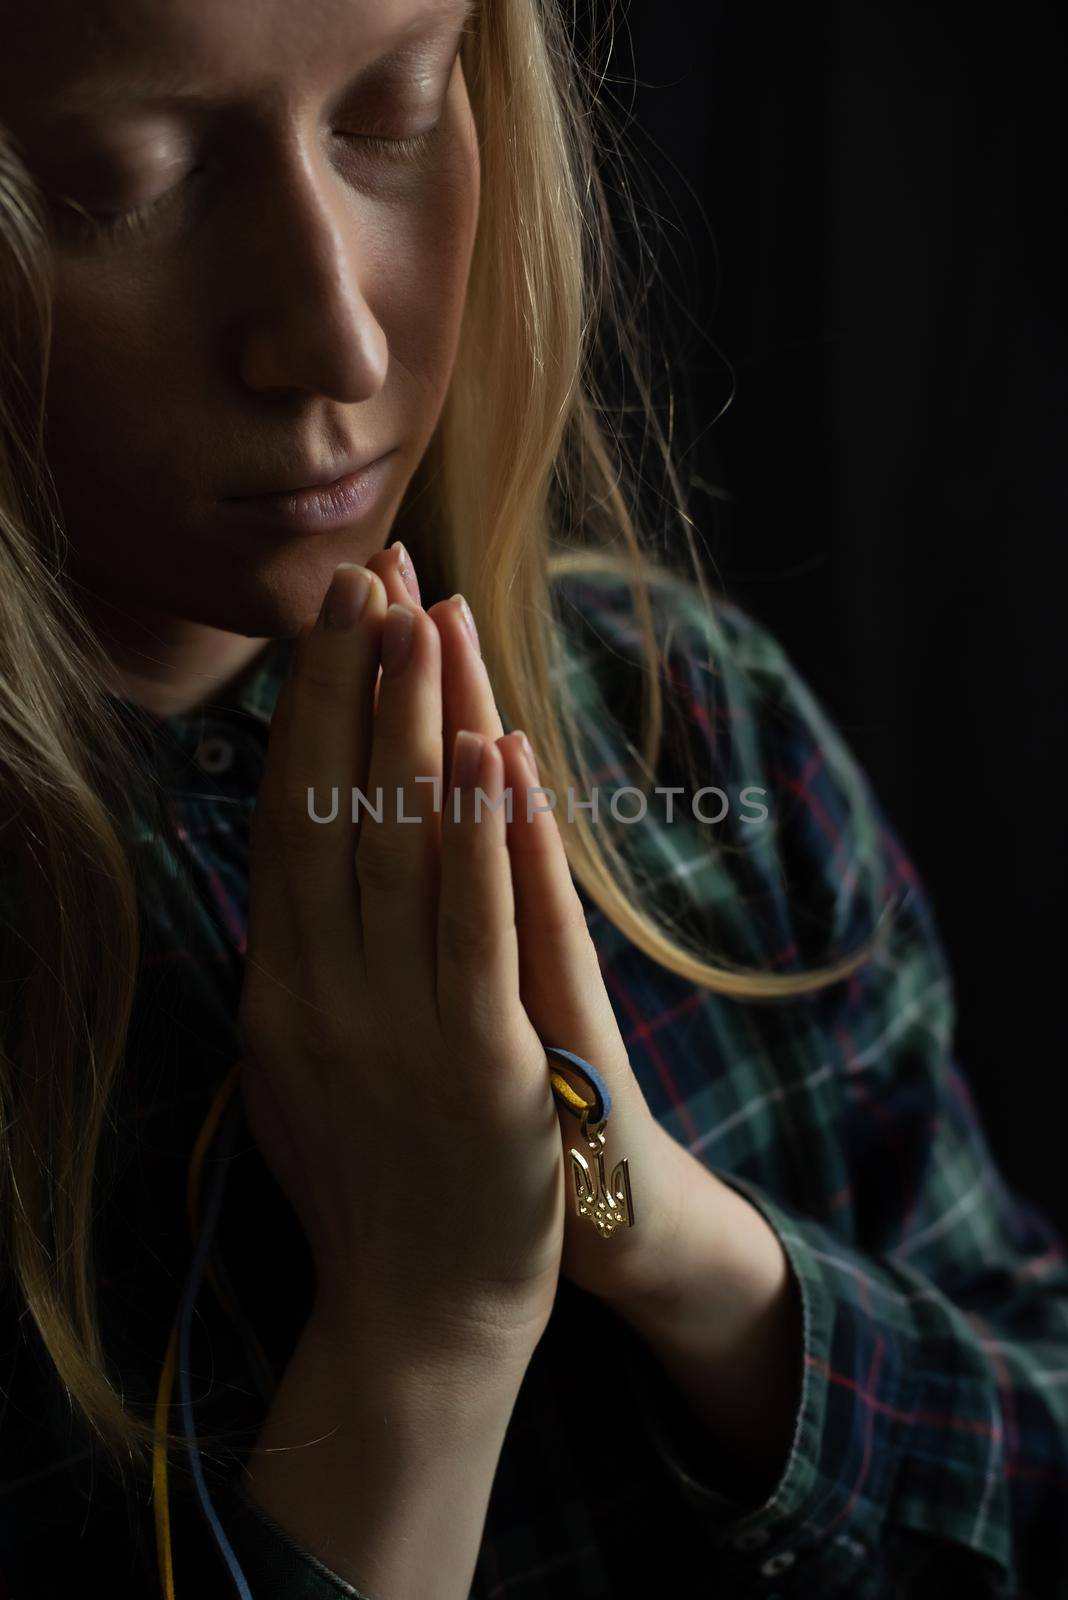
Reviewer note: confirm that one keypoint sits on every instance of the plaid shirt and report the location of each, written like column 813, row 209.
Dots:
column 931, row 1441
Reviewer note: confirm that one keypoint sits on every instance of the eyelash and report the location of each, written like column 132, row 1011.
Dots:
column 138, row 219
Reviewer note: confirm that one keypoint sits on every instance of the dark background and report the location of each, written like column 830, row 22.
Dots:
column 853, row 217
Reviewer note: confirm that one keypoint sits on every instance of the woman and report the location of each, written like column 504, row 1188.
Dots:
column 819, row 1347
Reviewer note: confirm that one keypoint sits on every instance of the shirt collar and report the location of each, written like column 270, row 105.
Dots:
column 250, row 699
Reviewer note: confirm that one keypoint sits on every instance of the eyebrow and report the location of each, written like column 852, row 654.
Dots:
column 160, row 88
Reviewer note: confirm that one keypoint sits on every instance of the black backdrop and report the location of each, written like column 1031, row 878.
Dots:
column 854, row 218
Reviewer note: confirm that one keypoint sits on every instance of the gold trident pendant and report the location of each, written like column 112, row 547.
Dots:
column 608, row 1205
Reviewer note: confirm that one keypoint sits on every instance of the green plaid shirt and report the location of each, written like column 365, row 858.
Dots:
column 931, row 1441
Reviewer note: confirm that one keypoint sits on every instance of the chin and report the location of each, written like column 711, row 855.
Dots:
column 274, row 599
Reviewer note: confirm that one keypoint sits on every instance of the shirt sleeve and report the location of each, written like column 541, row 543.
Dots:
column 275, row 1565
column 930, row 1446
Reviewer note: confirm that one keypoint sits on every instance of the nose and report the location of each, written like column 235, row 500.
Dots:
column 311, row 327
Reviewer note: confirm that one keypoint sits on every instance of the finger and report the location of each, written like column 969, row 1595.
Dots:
column 467, row 695
column 397, row 571
column 561, row 986
column 326, row 736
column 398, row 851
column 477, row 951
column 394, row 566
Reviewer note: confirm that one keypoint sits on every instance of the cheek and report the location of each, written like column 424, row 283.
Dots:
column 123, row 434
column 113, row 358
column 417, row 267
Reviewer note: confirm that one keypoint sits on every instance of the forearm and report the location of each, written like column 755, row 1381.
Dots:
column 382, row 1465
column 724, row 1322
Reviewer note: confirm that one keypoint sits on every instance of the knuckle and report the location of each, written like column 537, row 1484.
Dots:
column 465, row 940
column 384, row 863
column 328, row 683
column 566, row 923
column 289, row 825
column 268, row 1029
column 322, row 1036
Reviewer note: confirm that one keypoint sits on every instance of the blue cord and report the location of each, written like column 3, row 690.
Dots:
column 189, row 1296
column 603, row 1101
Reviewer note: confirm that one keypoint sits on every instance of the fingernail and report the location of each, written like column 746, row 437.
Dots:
column 407, row 571
column 397, row 637
column 346, row 597
column 466, row 759
column 529, row 754
column 465, row 612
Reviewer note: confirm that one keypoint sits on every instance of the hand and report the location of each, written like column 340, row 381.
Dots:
column 392, row 1079
column 563, row 994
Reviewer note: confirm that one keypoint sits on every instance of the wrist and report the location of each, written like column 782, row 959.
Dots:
column 442, row 1364
column 724, row 1323
column 720, row 1268
column 377, row 1456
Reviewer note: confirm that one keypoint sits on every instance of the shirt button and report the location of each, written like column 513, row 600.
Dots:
column 752, row 1539
column 778, row 1563
column 215, row 755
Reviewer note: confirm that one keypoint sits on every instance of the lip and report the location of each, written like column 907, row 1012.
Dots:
column 323, row 508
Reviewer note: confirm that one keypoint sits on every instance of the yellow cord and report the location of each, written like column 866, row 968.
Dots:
column 160, row 1501
column 160, row 1491
column 564, row 1089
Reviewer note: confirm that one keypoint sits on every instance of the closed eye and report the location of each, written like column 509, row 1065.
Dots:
column 137, row 220
column 413, row 146
column 132, row 220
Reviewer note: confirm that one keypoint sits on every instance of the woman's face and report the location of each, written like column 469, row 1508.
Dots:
column 290, row 304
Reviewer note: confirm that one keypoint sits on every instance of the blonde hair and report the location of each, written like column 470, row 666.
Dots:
column 520, row 425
